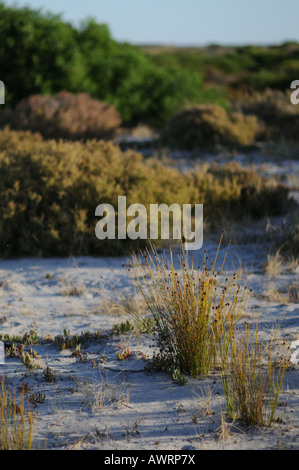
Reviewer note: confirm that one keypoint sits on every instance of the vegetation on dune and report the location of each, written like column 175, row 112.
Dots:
column 49, row 191
column 144, row 84
column 87, row 60
column 205, row 126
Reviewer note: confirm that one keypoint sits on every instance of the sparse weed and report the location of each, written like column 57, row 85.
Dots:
column 49, row 375
column 123, row 353
column 36, row 398
column 66, row 341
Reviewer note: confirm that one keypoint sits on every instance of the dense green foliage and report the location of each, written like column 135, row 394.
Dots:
column 41, row 54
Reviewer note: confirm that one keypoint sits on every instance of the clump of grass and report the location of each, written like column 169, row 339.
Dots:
column 252, row 379
column 16, row 425
column 68, row 288
column 186, row 303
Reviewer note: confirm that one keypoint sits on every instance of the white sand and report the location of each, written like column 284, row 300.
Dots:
column 120, row 404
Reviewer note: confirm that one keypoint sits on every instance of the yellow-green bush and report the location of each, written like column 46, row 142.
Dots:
column 233, row 191
column 205, row 126
column 49, row 191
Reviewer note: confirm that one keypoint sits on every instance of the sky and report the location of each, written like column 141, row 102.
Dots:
column 183, row 22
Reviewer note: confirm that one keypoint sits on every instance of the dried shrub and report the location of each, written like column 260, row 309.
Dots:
column 64, row 116
column 207, row 126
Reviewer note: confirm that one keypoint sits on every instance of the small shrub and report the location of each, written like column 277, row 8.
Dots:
column 28, row 357
column 123, row 327
column 232, row 192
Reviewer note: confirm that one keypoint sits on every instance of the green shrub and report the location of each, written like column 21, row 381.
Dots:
column 205, row 126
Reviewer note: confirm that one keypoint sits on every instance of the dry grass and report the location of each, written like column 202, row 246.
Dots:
column 68, row 288
column 284, row 296
column 274, row 265
column 98, row 397
column 16, row 424
column 252, row 378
